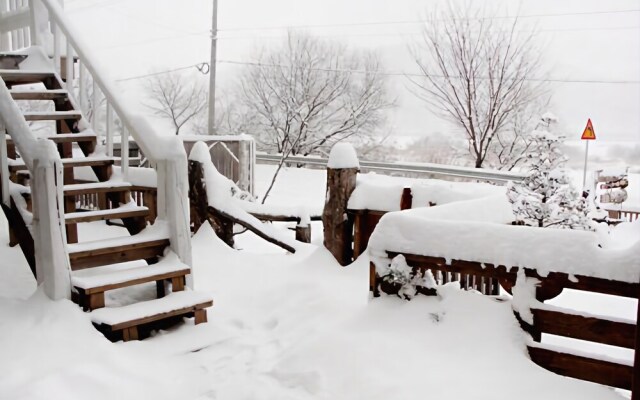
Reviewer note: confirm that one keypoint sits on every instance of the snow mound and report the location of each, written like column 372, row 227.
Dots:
column 343, row 155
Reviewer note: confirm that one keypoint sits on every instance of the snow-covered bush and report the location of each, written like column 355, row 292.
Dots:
column 405, row 282
column 546, row 197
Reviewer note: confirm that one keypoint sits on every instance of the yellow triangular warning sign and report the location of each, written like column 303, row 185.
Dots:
column 589, row 133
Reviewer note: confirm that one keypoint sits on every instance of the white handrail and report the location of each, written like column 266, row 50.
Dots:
column 147, row 140
column 167, row 154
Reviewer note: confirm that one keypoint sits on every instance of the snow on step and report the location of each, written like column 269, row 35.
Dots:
column 173, row 302
column 158, row 231
column 79, row 160
column 77, row 187
column 127, row 208
column 47, row 115
column 170, row 263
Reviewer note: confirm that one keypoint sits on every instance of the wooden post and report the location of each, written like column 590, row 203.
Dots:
column 338, row 227
column 199, row 206
column 406, row 201
column 303, row 233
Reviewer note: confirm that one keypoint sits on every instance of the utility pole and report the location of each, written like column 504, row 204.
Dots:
column 212, row 70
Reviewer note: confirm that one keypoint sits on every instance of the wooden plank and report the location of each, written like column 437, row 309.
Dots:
column 200, row 316
column 52, row 116
column 406, row 200
column 158, row 277
column 39, row 94
column 18, row 77
column 114, row 214
column 69, row 190
column 117, row 254
column 158, row 317
column 578, row 282
column 585, row 328
column 73, row 163
column 588, row 369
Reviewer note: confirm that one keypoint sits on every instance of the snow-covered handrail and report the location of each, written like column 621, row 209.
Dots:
column 16, row 126
column 151, row 144
column 167, row 154
column 430, row 168
column 14, row 26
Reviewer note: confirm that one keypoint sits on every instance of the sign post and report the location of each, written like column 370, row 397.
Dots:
column 587, row 135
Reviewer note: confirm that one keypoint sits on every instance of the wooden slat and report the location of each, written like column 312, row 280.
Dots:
column 588, row 369
column 578, row 282
column 113, row 214
column 65, row 138
column 585, row 328
column 117, row 254
column 158, row 317
column 13, row 77
column 635, row 395
column 69, row 190
column 52, row 116
column 39, row 94
column 72, row 163
column 138, row 281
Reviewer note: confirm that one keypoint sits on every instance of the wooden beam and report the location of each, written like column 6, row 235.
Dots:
column 117, row 254
column 585, row 328
column 588, row 369
column 253, row 229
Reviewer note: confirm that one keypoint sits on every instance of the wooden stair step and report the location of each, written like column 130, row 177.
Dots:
column 22, row 77
column 169, row 267
column 126, row 211
column 18, row 165
column 133, row 315
column 39, row 94
column 52, row 115
column 145, row 245
column 79, row 189
column 67, row 137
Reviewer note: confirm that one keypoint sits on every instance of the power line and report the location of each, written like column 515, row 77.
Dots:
column 416, row 75
column 401, row 34
column 203, row 67
column 420, row 21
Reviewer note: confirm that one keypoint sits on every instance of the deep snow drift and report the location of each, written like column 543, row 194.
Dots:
column 283, row 327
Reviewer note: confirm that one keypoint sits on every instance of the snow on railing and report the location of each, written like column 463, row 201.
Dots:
column 165, row 153
column 43, row 161
column 435, row 169
column 14, row 25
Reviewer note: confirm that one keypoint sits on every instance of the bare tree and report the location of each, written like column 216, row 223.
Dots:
column 176, row 98
column 477, row 72
column 309, row 94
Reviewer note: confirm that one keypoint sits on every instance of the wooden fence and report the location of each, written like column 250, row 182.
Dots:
column 364, row 223
column 626, row 215
column 560, row 322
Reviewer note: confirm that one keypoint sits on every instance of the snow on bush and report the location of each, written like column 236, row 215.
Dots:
column 402, row 280
column 546, row 198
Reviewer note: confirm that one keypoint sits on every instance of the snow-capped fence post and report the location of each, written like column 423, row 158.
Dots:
column 342, row 170
column 406, row 201
column 52, row 261
column 303, row 232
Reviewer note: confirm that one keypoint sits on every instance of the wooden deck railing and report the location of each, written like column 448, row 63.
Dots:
column 555, row 321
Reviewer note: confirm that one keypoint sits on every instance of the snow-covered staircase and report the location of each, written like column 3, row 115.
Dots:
column 94, row 266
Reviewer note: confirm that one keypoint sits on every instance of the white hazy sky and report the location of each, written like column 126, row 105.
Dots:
column 134, row 37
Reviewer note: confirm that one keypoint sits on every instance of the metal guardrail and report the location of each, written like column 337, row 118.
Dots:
column 427, row 168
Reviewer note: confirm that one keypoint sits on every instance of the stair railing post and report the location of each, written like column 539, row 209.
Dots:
column 124, row 153
column 5, row 165
column 173, row 202
column 52, row 261
column 68, row 72
column 109, row 129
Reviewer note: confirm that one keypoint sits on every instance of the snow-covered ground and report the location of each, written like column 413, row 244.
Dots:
column 283, row 326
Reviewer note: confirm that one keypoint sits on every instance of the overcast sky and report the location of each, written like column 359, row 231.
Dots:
column 134, row 37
